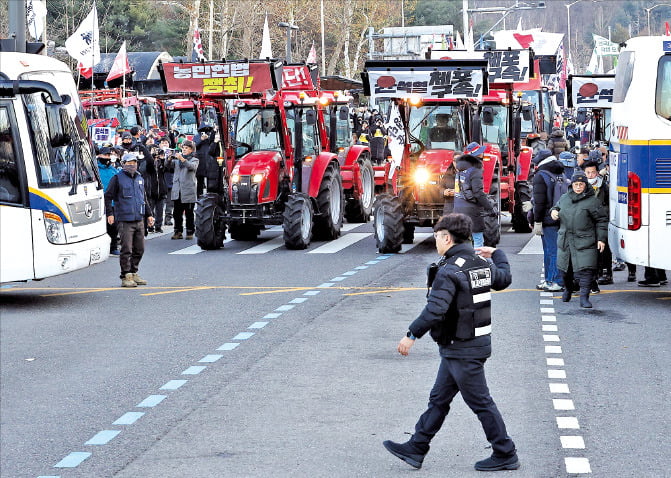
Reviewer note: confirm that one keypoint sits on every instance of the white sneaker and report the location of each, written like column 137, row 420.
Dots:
column 542, row 285
column 553, row 287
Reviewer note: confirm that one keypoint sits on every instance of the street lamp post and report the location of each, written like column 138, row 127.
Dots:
column 289, row 27
column 568, row 27
column 647, row 10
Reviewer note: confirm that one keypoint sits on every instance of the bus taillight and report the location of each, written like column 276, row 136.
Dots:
column 633, row 201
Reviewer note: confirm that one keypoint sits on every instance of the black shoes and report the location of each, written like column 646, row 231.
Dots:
column 605, row 280
column 649, row 283
column 495, row 463
column 158, row 230
column 631, row 277
column 406, row 452
column 566, row 296
column 584, row 301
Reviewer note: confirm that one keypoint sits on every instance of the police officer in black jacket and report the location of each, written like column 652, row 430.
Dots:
column 458, row 317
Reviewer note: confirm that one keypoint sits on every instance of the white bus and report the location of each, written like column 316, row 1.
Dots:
column 640, row 157
column 52, row 211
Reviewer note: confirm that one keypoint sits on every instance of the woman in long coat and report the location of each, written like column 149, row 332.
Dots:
column 583, row 233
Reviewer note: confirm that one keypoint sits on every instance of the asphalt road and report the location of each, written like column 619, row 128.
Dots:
column 256, row 361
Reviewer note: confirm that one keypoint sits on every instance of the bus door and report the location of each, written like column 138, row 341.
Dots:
column 15, row 215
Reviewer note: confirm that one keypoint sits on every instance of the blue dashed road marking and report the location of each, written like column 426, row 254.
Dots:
column 298, row 300
column 194, row 370
column 128, row 418
column 151, row 401
column 228, row 346
column 243, row 336
column 210, row 358
column 284, row 308
column 103, row 437
column 272, row 315
column 73, row 460
column 258, row 325
column 173, row 384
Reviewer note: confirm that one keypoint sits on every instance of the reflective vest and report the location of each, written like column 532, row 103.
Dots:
column 469, row 314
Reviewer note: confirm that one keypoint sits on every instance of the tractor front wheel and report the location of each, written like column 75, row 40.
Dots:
column 210, row 226
column 388, row 223
column 298, row 215
column 330, row 203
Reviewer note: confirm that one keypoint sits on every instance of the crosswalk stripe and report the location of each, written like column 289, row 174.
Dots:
column 419, row 238
column 195, row 249
column 534, row 246
column 267, row 246
column 340, row 243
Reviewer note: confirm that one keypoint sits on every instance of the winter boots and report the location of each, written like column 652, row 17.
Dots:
column 127, row 281
column 408, row 452
column 138, row 280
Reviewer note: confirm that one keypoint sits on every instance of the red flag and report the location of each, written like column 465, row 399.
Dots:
column 666, row 26
column 524, row 40
column 198, row 44
column 85, row 72
column 120, row 66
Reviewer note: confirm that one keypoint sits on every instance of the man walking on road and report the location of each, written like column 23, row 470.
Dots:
column 458, row 317
column 131, row 207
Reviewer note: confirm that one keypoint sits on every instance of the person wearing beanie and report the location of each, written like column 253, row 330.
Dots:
column 583, row 233
column 549, row 172
column 127, row 194
column 108, row 169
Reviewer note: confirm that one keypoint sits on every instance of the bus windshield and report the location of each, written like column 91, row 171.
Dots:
column 435, row 127
column 62, row 165
column 663, row 94
column 257, row 128
column 183, row 121
column 125, row 114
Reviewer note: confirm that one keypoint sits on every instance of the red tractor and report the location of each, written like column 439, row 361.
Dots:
column 281, row 170
column 432, row 97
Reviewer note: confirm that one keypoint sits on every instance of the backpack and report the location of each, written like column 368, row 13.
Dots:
column 556, row 186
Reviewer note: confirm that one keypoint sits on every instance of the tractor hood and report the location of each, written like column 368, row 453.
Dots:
column 435, row 161
column 256, row 162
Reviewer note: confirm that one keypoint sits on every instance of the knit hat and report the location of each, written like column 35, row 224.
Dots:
column 474, row 149
column 579, row 176
column 567, row 159
column 542, row 155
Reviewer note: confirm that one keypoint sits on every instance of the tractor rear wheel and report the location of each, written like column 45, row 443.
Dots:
column 243, row 232
column 388, row 223
column 298, row 216
column 210, row 226
column 330, row 203
column 359, row 209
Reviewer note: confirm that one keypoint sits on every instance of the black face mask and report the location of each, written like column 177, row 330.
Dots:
column 105, row 161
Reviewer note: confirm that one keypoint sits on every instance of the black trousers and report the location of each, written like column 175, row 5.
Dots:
column 132, row 246
column 468, row 377
column 180, row 208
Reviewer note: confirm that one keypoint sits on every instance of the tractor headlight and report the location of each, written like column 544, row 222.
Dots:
column 235, row 178
column 257, row 178
column 54, row 227
column 421, row 176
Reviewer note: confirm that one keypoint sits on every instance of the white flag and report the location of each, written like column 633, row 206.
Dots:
column 605, row 47
column 266, row 48
column 459, row 43
column 36, row 13
column 593, row 63
column 84, row 43
column 312, row 55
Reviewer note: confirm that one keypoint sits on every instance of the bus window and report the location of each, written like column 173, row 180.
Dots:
column 663, row 93
column 9, row 173
column 623, row 76
column 56, row 165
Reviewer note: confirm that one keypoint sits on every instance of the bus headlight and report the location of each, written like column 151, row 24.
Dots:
column 421, row 176
column 54, row 227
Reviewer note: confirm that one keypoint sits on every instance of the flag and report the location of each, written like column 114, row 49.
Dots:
column 121, row 66
column 86, row 72
column 543, row 43
column 36, row 12
column 459, row 43
column 519, row 25
column 266, row 47
column 593, row 63
column 312, row 56
column 468, row 39
column 198, row 45
column 561, row 66
column 84, row 43
column 605, row 47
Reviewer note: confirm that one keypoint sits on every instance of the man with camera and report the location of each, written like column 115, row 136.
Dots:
column 458, row 317
column 184, row 166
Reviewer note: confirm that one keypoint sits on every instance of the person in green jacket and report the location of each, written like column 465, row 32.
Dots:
column 583, row 232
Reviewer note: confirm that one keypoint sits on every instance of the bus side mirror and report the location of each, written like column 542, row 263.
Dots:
column 57, row 116
column 147, row 111
column 310, row 117
column 343, row 113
